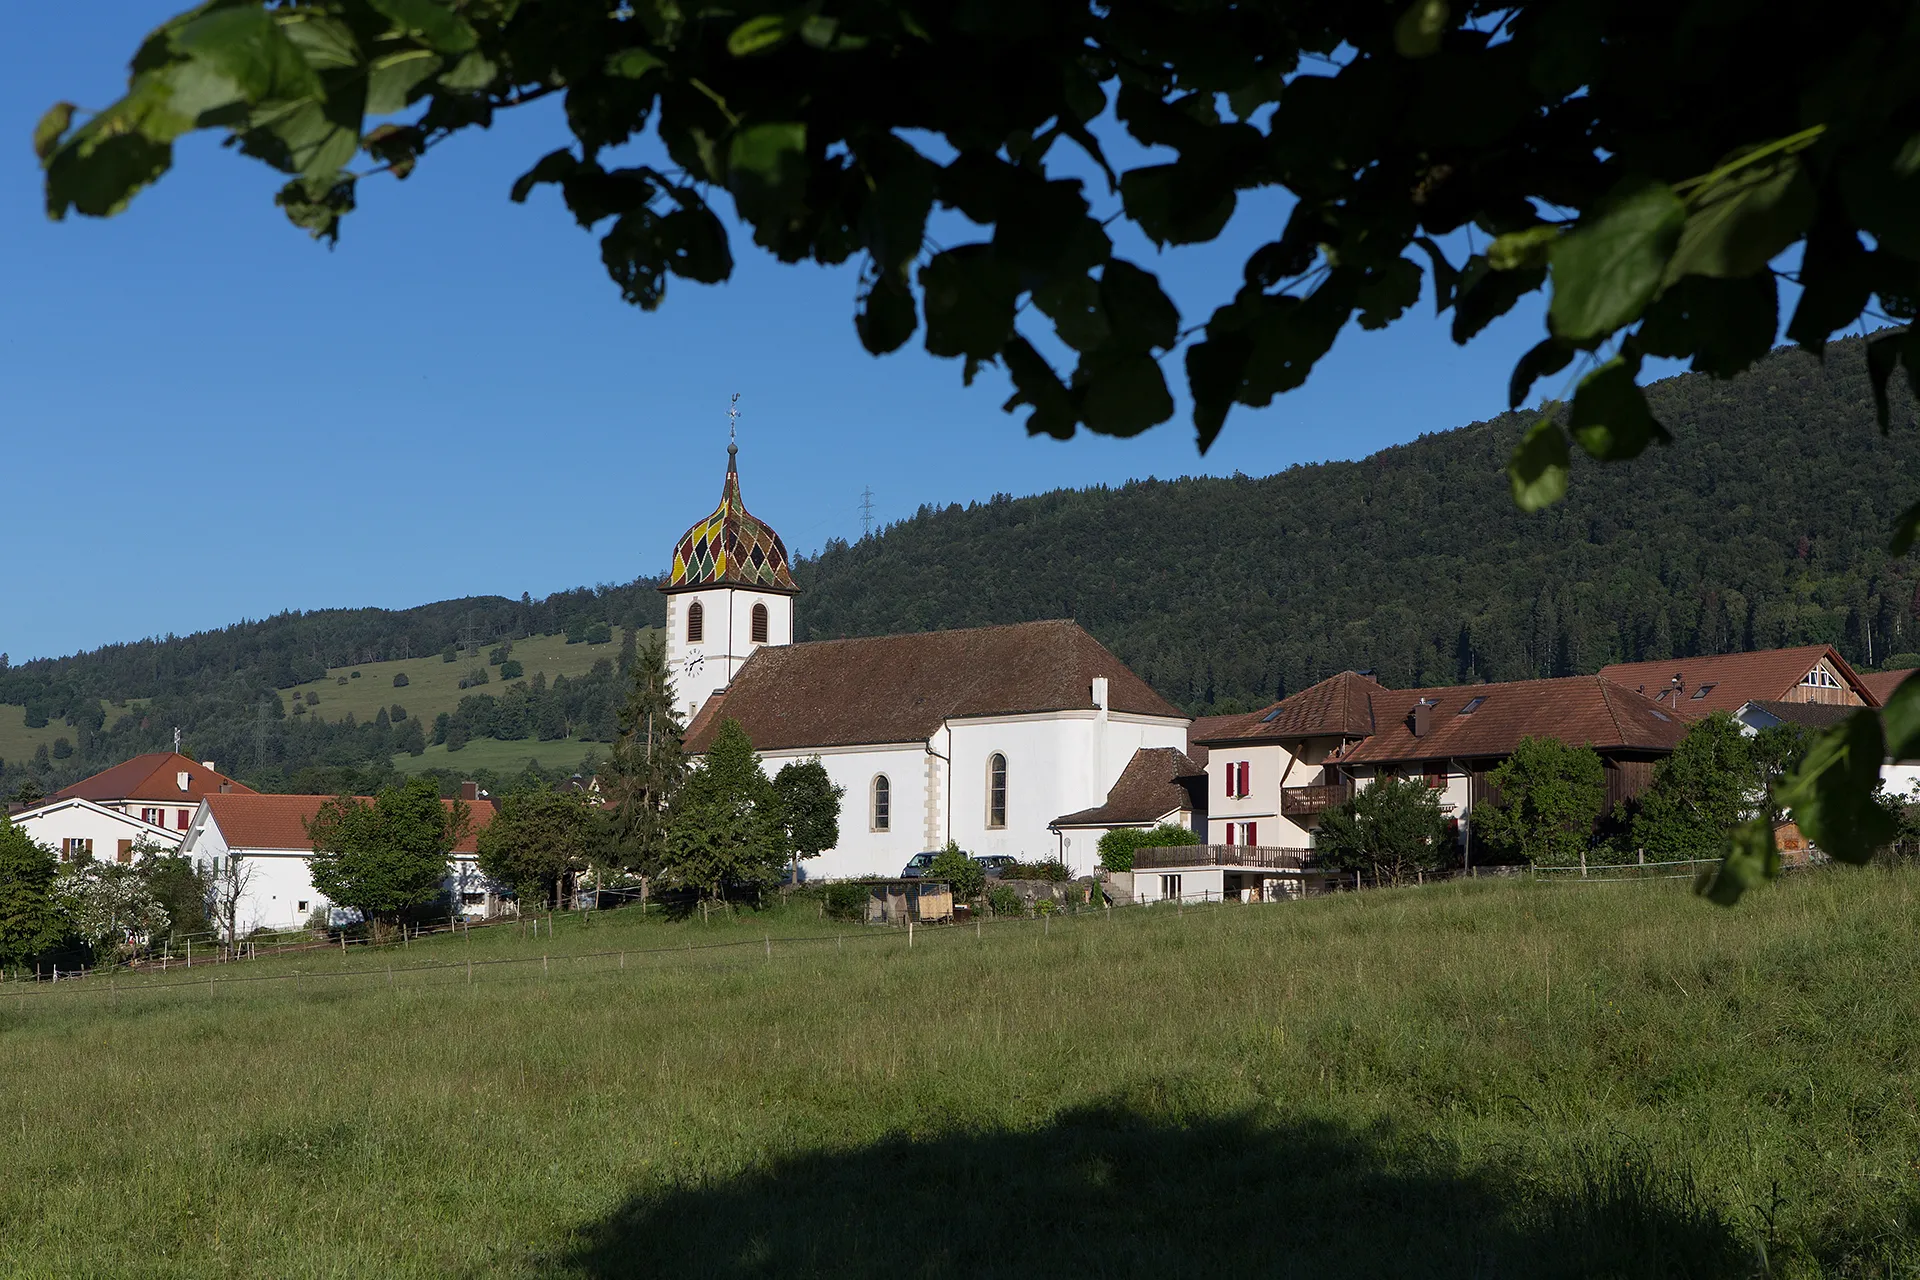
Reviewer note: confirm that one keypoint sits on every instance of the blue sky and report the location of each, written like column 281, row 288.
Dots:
column 209, row 417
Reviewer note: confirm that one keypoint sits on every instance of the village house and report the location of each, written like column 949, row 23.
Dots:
column 1161, row 786
column 981, row 736
column 81, row 830
column 1693, row 688
column 163, row 788
column 268, row 836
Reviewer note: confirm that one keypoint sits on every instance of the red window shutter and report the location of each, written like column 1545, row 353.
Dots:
column 1245, row 788
column 182, row 816
column 1230, row 827
column 1253, row 833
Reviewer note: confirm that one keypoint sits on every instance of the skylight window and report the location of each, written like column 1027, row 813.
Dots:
column 1271, row 715
column 1702, row 691
column 1473, row 705
column 1658, row 715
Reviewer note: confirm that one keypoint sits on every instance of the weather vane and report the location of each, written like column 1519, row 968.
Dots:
column 733, row 422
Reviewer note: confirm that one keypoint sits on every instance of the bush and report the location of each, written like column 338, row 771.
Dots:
column 499, row 654
column 599, row 633
column 966, row 876
column 847, row 901
column 450, row 654
column 354, row 674
column 1117, row 846
column 62, row 748
column 399, row 679
column 456, row 737
column 511, row 669
column 1901, row 662
column 313, row 699
column 1003, row 901
column 396, row 713
column 299, row 707
column 1053, row 872
column 341, row 680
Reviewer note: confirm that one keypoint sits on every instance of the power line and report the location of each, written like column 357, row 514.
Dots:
column 866, row 513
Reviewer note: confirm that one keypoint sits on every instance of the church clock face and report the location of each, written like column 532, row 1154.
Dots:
column 693, row 664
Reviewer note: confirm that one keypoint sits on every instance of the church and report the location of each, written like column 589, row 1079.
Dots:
column 984, row 736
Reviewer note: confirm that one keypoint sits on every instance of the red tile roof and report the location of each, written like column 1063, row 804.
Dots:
column 1578, row 710
column 254, row 821
column 1339, row 706
column 1146, row 790
column 889, row 689
column 1212, row 728
column 1881, row 684
column 1767, row 675
column 154, row 776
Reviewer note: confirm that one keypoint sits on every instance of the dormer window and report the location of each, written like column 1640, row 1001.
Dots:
column 1702, row 692
column 1473, row 705
column 183, row 778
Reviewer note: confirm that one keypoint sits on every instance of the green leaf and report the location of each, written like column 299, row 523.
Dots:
column 1900, row 718
column 968, row 296
column 1140, row 312
column 55, row 123
column 443, row 29
column 1387, row 292
column 391, row 79
column 1417, row 33
column 1530, row 248
column 473, row 72
column 1751, row 860
column 766, row 167
column 1739, row 224
column 247, row 48
column 327, row 44
column 1036, row 384
column 631, row 64
column 97, row 176
column 1122, row 394
column 1539, row 466
column 1608, row 268
column 1610, row 416
column 758, row 34
column 1548, row 357
column 1175, row 205
column 1216, row 370
column 1836, row 280
column 1883, row 357
column 318, row 207
column 1072, row 302
column 1483, row 295
column 1833, row 792
column 555, row 166
column 1446, row 276
column 886, row 318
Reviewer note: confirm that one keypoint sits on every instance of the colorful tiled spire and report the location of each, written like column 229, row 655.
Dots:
column 731, row 546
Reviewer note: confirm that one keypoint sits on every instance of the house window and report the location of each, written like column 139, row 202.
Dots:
column 76, row 849
column 1237, row 784
column 882, row 803
column 996, row 790
column 301, row 905
column 1703, row 691
column 1820, row 678
column 123, row 851
column 473, row 899
column 759, row 624
column 696, row 623
column 1473, row 705
column 1249, row 833
column 1170, row 886
column 1436, row 777
column 158, row 817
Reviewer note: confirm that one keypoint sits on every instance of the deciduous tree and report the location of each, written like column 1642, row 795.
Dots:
column 539, row 842
column 1549, row 796
column 1707, row 787
column 723, row 829
column 1390, row 829
column 387, row 857
column 29, row 920
column 809, row 807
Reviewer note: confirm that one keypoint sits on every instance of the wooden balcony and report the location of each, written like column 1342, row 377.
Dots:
column 1221, row 855
column 1309, row 802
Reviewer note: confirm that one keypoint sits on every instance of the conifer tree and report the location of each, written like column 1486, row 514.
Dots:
column 724, row 830
column 646, row 766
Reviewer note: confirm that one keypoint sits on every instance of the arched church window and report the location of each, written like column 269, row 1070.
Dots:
column 996, row 790
column 696, row 623
column 882, row 803
column 759, row 624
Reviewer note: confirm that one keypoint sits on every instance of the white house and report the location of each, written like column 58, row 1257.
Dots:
column 268, row 834
column 163, row 788
column 1161, row 786
column 981, row 736
column 80, row 830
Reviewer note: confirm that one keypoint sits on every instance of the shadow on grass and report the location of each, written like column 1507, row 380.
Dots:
column 1123, row 1190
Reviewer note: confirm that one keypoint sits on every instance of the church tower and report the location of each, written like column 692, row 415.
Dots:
column 730, row 592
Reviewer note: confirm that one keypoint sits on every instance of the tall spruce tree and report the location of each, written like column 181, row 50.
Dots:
column 646, row 767
column 724, row 829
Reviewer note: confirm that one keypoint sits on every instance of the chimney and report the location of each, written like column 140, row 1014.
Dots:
column 1100, row 692
column 1422, row 718
column 225, row 787
column 208, row 766
column 469, row 791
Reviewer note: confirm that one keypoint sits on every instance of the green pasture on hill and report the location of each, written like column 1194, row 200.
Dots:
column 1464, row 1080
column 17, row 742
column 502, row 757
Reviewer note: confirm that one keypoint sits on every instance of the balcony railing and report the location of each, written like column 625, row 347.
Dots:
column 1221, row 855
column 1307, row 802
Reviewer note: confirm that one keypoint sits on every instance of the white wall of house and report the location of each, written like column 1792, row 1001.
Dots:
column 99, row 830
column 1080, row 846
column 1271, row 768
column 1189, row 884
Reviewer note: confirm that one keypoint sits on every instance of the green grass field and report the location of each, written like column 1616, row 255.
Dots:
column 502, row 757
column 1463, row 1080
column 17, row 742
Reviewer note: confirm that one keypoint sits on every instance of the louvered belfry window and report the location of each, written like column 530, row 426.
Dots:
column 696, row 623
column 759, row 624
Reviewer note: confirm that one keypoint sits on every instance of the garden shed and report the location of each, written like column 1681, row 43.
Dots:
column 918, row 900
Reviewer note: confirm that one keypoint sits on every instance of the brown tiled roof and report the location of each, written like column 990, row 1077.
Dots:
column 254, row 821
column 1337, row 706
column 1766, row 675
column 1578, row 710
column 831, row 693
column 1147, row 789
column 154, row 776
column 1209, row 728
column 1810, row 715
column 1881, row 684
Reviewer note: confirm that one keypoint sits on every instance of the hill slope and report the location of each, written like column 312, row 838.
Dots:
column 1763, row 524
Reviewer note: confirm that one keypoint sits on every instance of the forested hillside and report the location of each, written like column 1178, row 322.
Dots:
column 1765, row 523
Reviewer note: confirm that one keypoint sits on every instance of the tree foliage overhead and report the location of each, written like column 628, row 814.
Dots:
column 1652, row 159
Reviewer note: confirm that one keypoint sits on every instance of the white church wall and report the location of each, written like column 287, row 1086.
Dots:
column 704, row 667
column 863, row 851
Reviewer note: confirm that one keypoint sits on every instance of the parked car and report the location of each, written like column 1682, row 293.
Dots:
column 918, row 865
column 996, row 864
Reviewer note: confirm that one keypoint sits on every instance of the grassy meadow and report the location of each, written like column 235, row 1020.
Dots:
column 17, row 742
column 1464, row 1080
